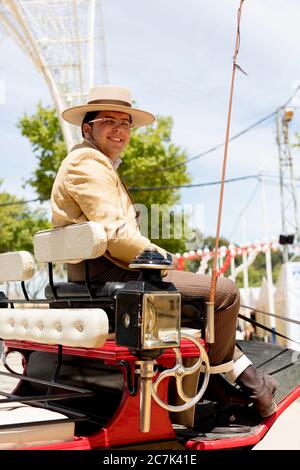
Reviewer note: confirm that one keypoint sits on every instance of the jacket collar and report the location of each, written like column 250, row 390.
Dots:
column 86, row 143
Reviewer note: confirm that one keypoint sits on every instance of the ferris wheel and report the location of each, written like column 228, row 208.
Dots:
column 65, row 41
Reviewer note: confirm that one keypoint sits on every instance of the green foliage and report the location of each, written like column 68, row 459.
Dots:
column 257, row 270
column 150, row 149
column 45, row 135
column 18, row 224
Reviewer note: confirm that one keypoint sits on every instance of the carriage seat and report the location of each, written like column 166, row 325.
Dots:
column 22, row 425
column 74, row 243
column 83, row 328
column 16, row 266
column 65, row 290
column 70, row 244
column 43, row 325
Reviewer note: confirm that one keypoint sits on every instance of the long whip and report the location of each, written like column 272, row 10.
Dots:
column 210, row 304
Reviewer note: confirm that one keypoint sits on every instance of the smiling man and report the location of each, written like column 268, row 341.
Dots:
column 88, row 187
column 109, row 131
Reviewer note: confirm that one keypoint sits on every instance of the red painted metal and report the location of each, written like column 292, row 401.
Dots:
column 123, row 428
column 109, row 352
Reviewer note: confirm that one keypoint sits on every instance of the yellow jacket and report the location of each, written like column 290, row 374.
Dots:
column 87, row 187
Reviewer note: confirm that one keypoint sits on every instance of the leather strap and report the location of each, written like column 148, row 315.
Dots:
column 114, row 102
column 220, row 368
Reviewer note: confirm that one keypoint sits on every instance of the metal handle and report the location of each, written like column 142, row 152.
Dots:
column 179, row 372
column 146, row 371
column 210, row 326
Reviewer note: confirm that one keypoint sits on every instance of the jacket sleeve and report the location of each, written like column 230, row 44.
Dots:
column 93, row 184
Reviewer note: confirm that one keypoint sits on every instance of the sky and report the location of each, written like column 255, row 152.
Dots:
column 176, row 57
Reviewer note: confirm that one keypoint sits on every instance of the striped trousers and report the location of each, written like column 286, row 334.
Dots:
column 197, row 286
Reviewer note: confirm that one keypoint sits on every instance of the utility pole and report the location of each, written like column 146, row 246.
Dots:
column 245, row 259
column 288, row 197
column 269, row 273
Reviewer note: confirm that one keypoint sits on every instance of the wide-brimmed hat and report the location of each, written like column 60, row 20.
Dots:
column 108, row 98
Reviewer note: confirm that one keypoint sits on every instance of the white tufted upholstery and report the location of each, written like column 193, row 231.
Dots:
column 70, row 244
column 86, row 328
column 22, row 435
column 16, row 266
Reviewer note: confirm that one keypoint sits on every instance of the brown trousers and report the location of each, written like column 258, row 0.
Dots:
column 189, row 285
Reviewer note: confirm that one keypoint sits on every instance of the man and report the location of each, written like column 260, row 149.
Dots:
column 87, row 187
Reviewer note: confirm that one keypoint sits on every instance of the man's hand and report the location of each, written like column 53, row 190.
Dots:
column 174, row 260
column 168, row 256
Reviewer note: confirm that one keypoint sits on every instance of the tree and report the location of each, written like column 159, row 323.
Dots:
column 150, row 150
column 44, row 133
column 258, row 269
column 18, row 224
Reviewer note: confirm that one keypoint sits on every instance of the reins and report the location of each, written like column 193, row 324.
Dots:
column 266, row 328
column 289, row 320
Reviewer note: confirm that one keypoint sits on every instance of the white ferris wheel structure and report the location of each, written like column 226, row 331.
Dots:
column 65, row 41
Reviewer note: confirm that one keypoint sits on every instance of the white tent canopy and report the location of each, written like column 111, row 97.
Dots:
column 287, row 303
column 262, row 304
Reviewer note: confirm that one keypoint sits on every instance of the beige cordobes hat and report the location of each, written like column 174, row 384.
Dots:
column 108, row 98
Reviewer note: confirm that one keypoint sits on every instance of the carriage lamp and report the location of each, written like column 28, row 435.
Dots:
column 148, row 310
column 148, row 321
column 160, row 320
column 148, row 316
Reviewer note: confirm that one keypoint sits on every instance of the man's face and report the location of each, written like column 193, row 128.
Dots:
column 110, row 140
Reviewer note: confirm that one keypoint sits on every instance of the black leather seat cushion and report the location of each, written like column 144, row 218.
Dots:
column 66, row 290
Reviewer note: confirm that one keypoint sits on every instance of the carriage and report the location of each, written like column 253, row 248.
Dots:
column 114, row 366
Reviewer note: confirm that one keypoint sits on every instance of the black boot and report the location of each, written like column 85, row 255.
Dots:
column 221, row 391
column 260, row 388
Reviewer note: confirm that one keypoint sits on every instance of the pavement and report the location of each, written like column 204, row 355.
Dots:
column 284, row 434
column 7, row 384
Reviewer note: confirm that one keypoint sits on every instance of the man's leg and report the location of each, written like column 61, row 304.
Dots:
column 227, row 304
column 258, row 386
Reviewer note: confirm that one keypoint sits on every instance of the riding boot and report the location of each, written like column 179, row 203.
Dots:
column 260, row 388
column 221, row 391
